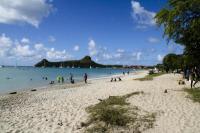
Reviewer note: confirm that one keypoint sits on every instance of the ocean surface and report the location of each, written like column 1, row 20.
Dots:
column 22, row 78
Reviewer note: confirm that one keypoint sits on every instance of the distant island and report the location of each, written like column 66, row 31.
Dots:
column 85, row 62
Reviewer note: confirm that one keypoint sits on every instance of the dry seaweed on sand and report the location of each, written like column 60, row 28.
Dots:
column 115, row 114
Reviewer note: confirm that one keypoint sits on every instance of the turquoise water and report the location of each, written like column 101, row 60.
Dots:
column 20, row 78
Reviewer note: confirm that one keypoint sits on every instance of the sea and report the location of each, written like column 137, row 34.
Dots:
column 22, row 78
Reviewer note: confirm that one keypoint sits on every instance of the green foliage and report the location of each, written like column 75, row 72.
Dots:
column 181, row 21
column 173, row 61
column 160, row 67
column 150, row 76
column 194, row 94
column 114, row 112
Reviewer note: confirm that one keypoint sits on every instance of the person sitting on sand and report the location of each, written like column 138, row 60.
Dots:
column 52, row 82
column 115, row 79
column 120, row 79
column 111, row 80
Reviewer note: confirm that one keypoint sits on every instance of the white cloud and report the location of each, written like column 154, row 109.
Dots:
column 107, row 56
column 159, row 58
column 24, row 11
column 25, row 40
column 52, row 39
column 39, row 46
column 102, row 54
column 5, row 41
column 92, row 48
column 153, row 40
column 118, row 55
column 57, row 55
column 137, row 55
column 5, row 45
column 22, row 50
column 120, row 50
column 76, row 48
column 142, row 16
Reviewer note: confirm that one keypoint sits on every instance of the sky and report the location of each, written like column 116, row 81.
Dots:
column 110, row 31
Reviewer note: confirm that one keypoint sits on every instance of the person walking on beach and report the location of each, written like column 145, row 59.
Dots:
column 85, row 78
column 187, row 74
column 195, row 76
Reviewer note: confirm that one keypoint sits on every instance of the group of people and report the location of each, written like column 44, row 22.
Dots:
column 192, row 74
column 115, row 79
column 60, row 79
column 125, row 73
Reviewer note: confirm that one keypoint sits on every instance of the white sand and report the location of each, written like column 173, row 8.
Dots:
column 62, row 110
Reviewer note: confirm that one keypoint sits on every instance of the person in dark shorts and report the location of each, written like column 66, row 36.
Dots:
column 85, row 77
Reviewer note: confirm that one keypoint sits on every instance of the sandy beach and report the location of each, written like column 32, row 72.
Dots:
column 62, row 108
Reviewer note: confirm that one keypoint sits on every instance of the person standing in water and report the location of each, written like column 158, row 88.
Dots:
column 85, row 78
column 71, row 78
column 62, row 79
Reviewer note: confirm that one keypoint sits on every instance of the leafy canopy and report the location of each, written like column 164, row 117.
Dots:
column 181, row 22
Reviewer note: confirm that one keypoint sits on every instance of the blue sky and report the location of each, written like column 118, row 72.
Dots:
column 110, row 31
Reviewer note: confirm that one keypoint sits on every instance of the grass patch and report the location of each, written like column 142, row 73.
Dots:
column 115, row 115
column 150, row 76
column 194, row 94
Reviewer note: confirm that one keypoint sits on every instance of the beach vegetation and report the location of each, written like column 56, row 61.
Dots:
column 194, row 94
column 150, row 76
column 115, row 114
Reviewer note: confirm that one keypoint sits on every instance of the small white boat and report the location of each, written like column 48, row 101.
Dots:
column 61, row 66
column 1, row 66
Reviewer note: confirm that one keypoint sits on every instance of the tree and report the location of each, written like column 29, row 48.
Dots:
column 173, row 62
column 181, row 22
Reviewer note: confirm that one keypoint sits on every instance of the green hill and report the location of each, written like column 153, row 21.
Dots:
column 85, row 62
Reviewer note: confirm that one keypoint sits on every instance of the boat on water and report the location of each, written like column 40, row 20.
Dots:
column 1, row 66
column 61, row 66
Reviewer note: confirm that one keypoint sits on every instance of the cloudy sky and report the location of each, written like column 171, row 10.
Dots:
column 110, row 31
